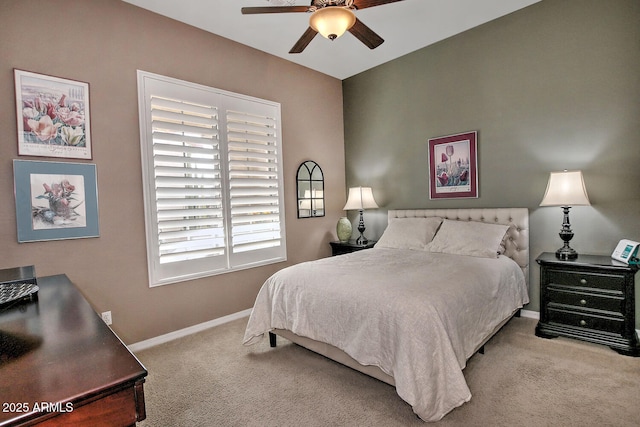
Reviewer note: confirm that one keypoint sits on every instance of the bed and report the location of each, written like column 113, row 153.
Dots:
column 412, row 310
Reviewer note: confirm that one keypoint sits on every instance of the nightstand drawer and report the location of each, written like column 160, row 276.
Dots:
column 586, row 280
column 586, row 300
column 589, row 321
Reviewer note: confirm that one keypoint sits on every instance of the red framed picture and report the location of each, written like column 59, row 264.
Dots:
column 453, row 166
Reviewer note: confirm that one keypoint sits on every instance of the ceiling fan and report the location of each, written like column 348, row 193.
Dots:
column 330, row 18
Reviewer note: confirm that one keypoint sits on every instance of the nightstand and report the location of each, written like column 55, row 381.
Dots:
column 590, row 298
column 339, row 248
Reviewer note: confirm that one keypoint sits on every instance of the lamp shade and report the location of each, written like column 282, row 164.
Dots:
column 565, row 188
column 332, row 21
column 360, row 198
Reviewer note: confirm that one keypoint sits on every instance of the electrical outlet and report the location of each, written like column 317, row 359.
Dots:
column 106, row 316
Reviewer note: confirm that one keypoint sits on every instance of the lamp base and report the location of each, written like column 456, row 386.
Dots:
column 362, row 240
column 566, row 253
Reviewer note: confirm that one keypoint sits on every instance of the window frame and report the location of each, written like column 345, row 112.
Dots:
column 227, row 106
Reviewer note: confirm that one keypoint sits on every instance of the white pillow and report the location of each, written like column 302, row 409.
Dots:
column 409, row 233
column 468, row 238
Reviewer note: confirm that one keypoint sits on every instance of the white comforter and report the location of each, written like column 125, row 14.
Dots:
column 416, row 315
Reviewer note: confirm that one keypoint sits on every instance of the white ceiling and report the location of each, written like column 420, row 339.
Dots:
column 405, row 26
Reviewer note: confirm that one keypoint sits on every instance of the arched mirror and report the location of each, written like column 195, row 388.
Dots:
column 310, row 189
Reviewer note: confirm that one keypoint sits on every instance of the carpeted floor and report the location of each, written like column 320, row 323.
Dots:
column 211, row 379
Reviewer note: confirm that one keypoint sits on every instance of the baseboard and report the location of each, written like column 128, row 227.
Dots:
column 161, row 339
column 530, row 314
column 152, row 342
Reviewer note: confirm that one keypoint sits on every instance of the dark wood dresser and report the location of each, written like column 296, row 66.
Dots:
column 61, row 365
column 591, row 298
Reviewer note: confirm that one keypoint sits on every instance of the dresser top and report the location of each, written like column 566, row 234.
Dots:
column 59, row 350
column 585, row 260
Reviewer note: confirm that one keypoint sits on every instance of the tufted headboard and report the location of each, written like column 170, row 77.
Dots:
column 517, row 242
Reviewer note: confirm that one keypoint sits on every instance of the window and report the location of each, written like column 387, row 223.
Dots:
column 212, row 175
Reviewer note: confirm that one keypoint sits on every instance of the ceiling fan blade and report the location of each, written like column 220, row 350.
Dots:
column 366, row 35
column 274, row 9
column 363, row 4
column 304, row 41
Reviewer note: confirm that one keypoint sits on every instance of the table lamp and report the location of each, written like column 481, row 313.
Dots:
column 360, row 198
column 566, row 189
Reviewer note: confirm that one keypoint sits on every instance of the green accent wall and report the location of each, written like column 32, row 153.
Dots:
column 550, row 87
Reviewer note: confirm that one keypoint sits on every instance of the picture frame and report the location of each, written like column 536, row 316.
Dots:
column 53, row 116
column 55, row 200
column 453, row 166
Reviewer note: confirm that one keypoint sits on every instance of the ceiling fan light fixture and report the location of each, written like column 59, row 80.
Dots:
column 332, row 21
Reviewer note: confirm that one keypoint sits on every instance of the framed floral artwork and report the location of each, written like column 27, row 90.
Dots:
column 53, row 116
column 453, row 166
column 55, row 200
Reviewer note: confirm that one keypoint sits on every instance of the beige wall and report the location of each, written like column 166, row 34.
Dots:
column 104, row 42
column 553, row 86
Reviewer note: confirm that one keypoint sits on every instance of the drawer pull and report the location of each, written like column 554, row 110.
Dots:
column 583, row 301
column 583, row 323
column 583, row 281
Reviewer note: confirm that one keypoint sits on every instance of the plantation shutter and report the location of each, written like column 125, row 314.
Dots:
column 213, row 181
column 254, row 187
column 186, row 164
